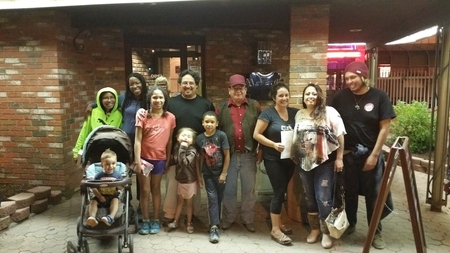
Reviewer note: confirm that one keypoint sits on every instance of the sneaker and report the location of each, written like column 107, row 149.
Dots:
column 190, row 228
column 173, row 224
column 108, row 220
column 214, row 234
column 145, row 228
column 92, row 221
column 378, row 241
column 166, row 221
column 154, row 227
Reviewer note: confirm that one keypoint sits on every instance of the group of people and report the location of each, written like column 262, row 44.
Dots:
column 186, row 138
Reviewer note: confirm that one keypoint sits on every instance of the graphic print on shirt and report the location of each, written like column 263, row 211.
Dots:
column 310, row 140
column 211, row 154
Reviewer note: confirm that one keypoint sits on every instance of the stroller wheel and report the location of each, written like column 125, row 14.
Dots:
column 130, row 243
column 85, row 245
column 119, row 244
column 71, row 248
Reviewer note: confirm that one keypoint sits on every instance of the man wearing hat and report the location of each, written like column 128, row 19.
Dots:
column 367, row 113
column 237, row 118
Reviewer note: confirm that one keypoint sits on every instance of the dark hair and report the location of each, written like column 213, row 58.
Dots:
column 319, row 113
column 194, row 74
column 275, row 87
column 210, row 113
column 129, row 95
column 166, row 98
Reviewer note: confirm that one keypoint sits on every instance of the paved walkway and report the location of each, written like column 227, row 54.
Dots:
column 50, row 231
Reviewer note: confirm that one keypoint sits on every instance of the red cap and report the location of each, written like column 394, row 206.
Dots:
column 237, row 80
column 357, row 67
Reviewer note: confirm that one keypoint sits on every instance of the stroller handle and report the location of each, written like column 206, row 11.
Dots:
column 105, row 183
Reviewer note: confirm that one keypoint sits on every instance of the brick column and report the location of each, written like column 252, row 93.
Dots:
column 308, row 63
column 309, row 42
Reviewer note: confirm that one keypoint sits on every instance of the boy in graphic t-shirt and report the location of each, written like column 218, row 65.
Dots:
column 215, row 156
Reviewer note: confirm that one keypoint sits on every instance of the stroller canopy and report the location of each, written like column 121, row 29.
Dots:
column 104, row 137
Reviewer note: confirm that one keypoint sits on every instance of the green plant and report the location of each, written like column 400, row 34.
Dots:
column 413, row 121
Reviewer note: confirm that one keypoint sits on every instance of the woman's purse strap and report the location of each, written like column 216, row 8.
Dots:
column 339, row 191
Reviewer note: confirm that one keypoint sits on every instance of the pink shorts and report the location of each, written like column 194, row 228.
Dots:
column 187, row 190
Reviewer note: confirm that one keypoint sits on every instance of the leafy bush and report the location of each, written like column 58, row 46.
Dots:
column 413, row 121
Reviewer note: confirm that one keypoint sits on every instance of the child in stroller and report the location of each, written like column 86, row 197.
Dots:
column 105, row 196
column 100, row 139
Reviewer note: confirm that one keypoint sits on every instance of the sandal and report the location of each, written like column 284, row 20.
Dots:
column 281, row 239
column 286, row 230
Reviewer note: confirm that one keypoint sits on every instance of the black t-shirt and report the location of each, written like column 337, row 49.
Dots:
column 189, row 112
column 363, row 125
column 273, row 131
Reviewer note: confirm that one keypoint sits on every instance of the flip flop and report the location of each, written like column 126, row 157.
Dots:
column 286, row 230
column 282, row 239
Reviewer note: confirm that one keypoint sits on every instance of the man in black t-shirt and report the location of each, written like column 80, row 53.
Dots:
column 188, row 109
column 367, row 113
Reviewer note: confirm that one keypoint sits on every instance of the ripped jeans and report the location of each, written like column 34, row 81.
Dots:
column 318, row 185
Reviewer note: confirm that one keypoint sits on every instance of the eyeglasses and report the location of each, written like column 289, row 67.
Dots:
column 188, row 83
column 238, row 88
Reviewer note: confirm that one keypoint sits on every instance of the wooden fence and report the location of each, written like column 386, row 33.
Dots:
column 408, row 85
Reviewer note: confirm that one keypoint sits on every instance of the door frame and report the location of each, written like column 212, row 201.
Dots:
column 176, row 42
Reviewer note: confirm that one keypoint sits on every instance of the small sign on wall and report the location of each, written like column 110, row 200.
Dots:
column 264, row 56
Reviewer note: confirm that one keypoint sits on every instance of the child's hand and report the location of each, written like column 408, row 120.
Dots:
column 141, row 114
column 222, row 178
column 200, row 182
column 184, row 144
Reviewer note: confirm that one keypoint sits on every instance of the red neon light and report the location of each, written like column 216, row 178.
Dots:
column 343, row 54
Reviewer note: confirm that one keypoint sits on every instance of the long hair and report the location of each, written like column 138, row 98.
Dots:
column 129, row 95
column 149, row 98
column 319, row 113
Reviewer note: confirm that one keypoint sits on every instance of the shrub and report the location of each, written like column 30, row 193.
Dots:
column 413, row 121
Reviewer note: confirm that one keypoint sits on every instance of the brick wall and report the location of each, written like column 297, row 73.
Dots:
column 46, row 81
column 45, row 84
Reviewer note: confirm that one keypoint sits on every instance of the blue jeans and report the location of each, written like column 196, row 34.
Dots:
column 365, row 183
column 214, row 192
column 245, row 166
column 318, row 184
column 280, row 173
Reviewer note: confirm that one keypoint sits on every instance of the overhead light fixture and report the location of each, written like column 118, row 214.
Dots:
column 356, row 30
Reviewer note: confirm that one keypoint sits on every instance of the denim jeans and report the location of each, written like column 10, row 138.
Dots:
column 318, row 184
column 243, row 165
column 280, row 173
column 367, row 184
column 214, row 192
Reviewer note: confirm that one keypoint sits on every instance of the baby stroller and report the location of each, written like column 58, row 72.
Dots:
column 98, row 141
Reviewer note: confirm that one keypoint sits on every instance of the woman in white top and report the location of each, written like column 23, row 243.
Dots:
column 318, row 146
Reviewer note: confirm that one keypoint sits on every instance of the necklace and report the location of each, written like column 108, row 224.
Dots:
column 357, row 102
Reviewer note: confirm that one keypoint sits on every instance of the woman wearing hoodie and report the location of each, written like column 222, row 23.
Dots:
column 106, row 114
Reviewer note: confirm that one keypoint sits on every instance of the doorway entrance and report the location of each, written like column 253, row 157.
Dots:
column 154, row 56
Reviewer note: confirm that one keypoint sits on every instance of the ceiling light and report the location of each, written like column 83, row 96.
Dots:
column 357, row 30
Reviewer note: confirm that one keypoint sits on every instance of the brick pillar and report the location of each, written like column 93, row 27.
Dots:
column 308, row 63
column 309, row 43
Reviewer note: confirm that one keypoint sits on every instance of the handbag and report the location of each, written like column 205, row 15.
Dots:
column 337, row 221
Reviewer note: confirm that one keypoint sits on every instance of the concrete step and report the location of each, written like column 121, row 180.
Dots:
column 39, row 206
column 23, row 199
column 5, row 222
column 7, row 208
column 40, row 192
column 55, row 197
column 21, row 214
